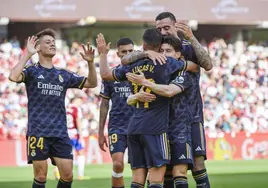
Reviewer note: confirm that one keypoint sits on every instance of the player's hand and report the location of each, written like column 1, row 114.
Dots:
column 136, row 78
column 103, row 48
column 102, row 141
column 32, row 48
column 155, row 56
column 88, row 53
column 143, row 96
column 183, row 27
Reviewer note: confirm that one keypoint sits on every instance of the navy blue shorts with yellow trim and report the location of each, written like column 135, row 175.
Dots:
column 147, row 151
column 198, row 140
column 42, row 148
column 117, row 142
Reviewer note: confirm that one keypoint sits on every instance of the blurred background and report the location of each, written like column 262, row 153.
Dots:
column 235, row 93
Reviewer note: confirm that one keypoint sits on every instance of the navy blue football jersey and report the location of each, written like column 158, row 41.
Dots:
column 197, row 106
column 150, row 118
column 46, row 89
column 181, row 113
column 120, row 112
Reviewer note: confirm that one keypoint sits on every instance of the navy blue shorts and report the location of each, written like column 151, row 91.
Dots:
column 180, row 145
column 198, row 140
column 147, row 151
column 117, row 142
column 42, row 148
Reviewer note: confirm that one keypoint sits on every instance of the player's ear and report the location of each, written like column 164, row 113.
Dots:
column 117, row 53
column 178, row 55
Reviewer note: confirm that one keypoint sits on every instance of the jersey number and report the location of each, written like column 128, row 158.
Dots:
column 113, row 139
column 147, row 90
column 36, row 143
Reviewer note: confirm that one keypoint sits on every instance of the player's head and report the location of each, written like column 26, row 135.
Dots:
column 124, row 47
column 171, row 47
column 152, row 39
column 165, row 23
column 47, row 42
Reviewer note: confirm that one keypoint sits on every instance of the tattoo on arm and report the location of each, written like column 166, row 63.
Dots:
column 132, row 57
column 201, row 54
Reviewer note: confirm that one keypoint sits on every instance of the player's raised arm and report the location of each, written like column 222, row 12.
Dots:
column 137, row 55
column 16, row 74
column 88, row 55
column 201, row 54
column 103, row 49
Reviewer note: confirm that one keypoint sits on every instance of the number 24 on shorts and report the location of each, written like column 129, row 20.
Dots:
column 36, row 142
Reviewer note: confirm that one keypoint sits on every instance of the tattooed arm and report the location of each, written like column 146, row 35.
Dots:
column 201, row 54
column 134, row 56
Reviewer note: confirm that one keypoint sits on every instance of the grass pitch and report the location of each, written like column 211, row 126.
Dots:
column 222, row 174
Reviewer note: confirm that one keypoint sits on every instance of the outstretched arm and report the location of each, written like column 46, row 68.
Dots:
column 16, row 73
column 103, row 49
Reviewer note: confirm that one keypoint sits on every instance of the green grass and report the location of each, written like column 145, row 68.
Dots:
column 222, row 174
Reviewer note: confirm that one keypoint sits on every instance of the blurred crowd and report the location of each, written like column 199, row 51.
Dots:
column 234, row 92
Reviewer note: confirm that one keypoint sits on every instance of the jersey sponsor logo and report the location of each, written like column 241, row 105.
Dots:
column 124, row 91
column 50, row 89
column 41, row 77
column 61, row 79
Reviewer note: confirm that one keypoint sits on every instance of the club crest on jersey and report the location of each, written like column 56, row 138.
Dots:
column 180, row 79
column 61, row 78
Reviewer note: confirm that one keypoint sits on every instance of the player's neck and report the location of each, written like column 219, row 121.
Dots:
column 46, row 62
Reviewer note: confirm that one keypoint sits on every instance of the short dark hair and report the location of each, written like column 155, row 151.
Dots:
column 164, row 15
column 46, row 31
column 124, row 41
column 174, row 42
column 152, row 37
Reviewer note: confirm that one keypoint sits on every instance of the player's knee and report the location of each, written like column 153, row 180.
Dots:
column 180, row 170
column 199, row 163
column 118, row 166
column 67, row 177
column 41, row 178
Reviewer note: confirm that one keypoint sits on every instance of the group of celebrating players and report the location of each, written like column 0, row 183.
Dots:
column 156, row 107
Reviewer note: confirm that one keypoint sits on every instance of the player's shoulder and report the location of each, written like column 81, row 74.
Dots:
column 31, row 66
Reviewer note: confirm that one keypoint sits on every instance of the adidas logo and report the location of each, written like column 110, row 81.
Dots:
column 41, row 77
column 198, row 149
column 182, row 157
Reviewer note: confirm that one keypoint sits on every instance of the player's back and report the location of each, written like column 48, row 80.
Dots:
column 152, row 118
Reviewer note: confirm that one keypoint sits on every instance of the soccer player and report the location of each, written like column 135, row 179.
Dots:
column 147, row 131
column 180, row 116
column 46, row 87
column 119, row 116
column 167, row 24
